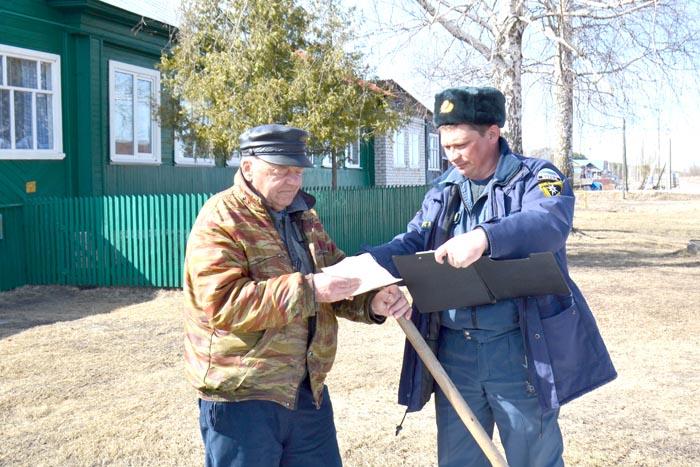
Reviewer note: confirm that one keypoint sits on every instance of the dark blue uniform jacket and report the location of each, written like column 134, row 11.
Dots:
column 565, row 352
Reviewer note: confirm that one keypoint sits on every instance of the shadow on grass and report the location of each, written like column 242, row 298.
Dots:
column 32, row 306
column 624, row 259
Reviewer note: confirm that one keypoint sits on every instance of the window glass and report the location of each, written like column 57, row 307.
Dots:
column 24, row 138
column 413, row 150
column 352, row 155
column 46, row 76
column 143, row 116
column 21, row 72
column 399, row 149
column 124, row 113
column 5, row 142
column 434, row 152
column 44, row 121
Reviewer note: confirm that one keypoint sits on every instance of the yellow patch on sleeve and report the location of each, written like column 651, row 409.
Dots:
column 551, row 188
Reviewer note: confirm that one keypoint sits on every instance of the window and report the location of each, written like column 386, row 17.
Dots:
column 352, row 155
column 413, row 149
column 190, row 150
column 134, row 133
column 433, row 152
column 30, row 104
column 326, row 160
column 399, row 148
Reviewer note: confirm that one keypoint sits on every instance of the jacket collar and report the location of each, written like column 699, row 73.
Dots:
column 242, row 189
column 508, row 165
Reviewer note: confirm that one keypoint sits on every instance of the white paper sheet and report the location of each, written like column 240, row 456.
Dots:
column 365, row 268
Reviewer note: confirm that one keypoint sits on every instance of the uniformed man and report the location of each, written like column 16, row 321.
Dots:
column 516, row 361
column 261, row 318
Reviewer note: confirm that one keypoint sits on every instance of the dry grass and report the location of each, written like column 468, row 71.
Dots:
column 94, row 377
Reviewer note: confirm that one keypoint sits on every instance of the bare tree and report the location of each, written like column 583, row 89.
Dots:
column 606, row 53
column 592, row 55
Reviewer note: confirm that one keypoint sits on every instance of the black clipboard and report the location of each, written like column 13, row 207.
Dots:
column 437, row 287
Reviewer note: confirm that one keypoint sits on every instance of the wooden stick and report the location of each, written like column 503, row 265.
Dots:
column 452, row 394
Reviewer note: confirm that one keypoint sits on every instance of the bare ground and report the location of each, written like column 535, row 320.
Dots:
column 94, row 377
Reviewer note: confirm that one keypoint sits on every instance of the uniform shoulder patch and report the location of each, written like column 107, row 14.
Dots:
column 550, row 182
column 548, row 175
column 551, row 188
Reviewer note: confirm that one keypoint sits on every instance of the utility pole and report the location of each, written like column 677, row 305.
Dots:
column 658, row 146
column 624, row 159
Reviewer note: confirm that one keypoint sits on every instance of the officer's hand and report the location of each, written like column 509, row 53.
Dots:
column 464, row 249
column 390, row 301
column 330, row 288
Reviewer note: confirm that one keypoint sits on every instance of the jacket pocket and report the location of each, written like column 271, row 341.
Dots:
column 228, row 354
column 568, row 345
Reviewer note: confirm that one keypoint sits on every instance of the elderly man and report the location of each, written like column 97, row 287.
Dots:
column 261, row 323
column 516, row 361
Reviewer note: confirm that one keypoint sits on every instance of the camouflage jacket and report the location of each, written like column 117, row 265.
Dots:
column 247, row 310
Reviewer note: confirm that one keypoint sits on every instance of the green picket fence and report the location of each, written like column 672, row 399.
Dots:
column 12, row 265
column 139, row 240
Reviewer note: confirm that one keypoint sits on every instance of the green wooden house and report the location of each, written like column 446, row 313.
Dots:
column 77, row 83
column 77, row 79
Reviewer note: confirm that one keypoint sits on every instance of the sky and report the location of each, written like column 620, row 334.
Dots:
column 677, row 118
column 400, row 56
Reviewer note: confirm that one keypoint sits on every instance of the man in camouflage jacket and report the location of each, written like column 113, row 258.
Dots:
column 261, row 323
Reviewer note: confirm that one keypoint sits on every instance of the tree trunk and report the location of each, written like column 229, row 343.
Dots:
column 334, row 170
column 507, row 72
column 564, row 97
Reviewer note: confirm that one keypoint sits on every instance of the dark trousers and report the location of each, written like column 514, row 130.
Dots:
column 266, row 434
column 491, row 374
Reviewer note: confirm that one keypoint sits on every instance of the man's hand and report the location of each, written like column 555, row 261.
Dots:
column 330, row 288
column 464, row 249
column 390, row 301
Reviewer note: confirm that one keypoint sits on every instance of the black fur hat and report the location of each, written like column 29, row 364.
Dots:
column 478, row 106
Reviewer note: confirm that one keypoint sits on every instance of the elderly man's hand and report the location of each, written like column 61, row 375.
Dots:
column 330, row 288
column 390, row 301
column 462, row 250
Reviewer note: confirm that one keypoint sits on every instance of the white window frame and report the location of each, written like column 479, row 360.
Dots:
column 326, row 160
column 399, row 150
column 356, row 146
column 55, row 153
column 327, row 163
column 197, row 159
column 434, row 152
column 153, row 158
column 413, row 149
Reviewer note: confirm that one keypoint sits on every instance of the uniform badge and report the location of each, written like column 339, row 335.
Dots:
column 426, row 225
column 446, row 107
column 550, row 188
column 548, row 175
column 550, row 182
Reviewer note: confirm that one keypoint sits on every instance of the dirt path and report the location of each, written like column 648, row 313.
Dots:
column 93, row 377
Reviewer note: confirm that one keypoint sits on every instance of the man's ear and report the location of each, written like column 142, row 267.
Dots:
column 493, row 132
column 247, row 169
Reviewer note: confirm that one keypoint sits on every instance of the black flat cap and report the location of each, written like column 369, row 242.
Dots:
column 276, row 144
column 480, row 106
